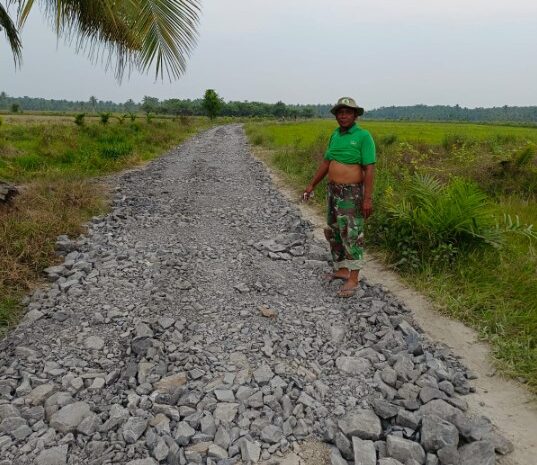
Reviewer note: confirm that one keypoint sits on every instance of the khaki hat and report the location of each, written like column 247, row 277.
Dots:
column 346, row 102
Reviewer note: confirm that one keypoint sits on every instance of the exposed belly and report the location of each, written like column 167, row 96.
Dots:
column 341, row 173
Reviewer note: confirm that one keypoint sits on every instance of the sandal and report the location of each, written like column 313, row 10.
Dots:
column 329, row 277
column 348, row 292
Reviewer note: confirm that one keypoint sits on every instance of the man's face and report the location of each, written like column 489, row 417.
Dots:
column 346, row 117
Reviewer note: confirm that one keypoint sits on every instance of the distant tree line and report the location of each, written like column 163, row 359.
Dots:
column 175, row 107
column 455, row 113
column 188, row 107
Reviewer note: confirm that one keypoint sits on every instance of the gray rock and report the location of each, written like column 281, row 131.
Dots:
column 364, row 452
column 477, row 453
column 271, row 434
column 353, row 365
column 22, row 432
column 69, row 417
column 117, row 416
column 222, row 438
column 448, row 455
column 183, row 433
column 363, row 423
column 336, row 458
column 40, row 393
column 8, row 410
column 53, row 456
column 385, row 409
column 133, row 429
column 10, row 424
column 344, row 445
column 428, row 393
column 404, row 449
column 94, row 343
column 225, row 412
column 217, row 452
column 437, row 433
column 441, row 409
column 89, row 425
column 250, row 451
column 263, row 375
column 431, row 459
column 407, row 419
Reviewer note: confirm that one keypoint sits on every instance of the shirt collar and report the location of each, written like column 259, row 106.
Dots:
column 351, row 130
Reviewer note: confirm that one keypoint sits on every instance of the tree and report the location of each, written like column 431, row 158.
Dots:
column 150, row 104
column 212, row 103
column 279, row 110
column 93, row 102
column 127, row 33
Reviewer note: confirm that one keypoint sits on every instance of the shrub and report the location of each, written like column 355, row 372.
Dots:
column 389, row 139
column 105, row 117
column 431, row 222
column 79, row 119
column 132, row 116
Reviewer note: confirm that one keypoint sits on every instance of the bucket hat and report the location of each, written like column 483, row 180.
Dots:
column 347, row 102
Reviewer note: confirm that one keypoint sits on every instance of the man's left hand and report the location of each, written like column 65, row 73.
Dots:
column 367, row 208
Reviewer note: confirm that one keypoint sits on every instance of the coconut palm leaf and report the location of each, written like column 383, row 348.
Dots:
column 127, row 33
column 12, row 35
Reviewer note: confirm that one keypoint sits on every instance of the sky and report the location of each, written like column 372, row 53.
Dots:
column 475, row 53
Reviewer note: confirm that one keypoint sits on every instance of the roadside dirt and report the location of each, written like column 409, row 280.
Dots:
column 509, row 405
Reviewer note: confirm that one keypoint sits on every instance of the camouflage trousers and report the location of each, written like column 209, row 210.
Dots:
column 345, row 231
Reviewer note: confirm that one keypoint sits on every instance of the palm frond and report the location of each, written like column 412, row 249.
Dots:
column 12, row 35
column 127, row 33
column 167, row 33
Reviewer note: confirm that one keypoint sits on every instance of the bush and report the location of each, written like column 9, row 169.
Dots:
column 433, row 223
column 105, row 117
column 79, row 119
column 389, row 139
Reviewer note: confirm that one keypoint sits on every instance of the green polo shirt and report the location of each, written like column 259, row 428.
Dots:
column 355, row 146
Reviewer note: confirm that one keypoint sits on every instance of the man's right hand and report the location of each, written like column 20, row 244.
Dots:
column 308, row 193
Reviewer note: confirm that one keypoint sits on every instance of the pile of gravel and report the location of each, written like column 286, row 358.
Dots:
column 190, row 326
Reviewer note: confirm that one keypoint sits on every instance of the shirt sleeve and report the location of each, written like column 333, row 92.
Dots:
column 327, row 155
column 368, row 151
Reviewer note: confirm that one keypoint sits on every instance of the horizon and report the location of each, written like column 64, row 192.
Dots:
column 270, row 103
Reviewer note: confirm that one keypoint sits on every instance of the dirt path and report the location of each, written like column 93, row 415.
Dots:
column 508, row 404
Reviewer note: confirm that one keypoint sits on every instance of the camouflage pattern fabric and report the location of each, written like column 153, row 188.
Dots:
column 345, row 231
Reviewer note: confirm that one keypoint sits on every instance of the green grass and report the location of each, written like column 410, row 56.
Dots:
column 55, row 164
column 494, row 290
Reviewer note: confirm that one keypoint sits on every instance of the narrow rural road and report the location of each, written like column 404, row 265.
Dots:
column 190, row 326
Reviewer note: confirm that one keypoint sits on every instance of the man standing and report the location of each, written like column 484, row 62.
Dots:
column 349, row 162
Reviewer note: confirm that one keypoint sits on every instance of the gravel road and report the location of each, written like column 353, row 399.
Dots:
column 190, row 326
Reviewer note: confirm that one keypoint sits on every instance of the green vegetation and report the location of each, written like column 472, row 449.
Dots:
column 212, row 103
column 280, row 110
column 56, row 164
column 453, row 204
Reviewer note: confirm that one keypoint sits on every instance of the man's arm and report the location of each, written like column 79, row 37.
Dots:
column 369, row 178
column 318, row 177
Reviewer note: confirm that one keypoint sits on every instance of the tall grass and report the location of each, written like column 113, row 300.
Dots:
column 452, row 202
